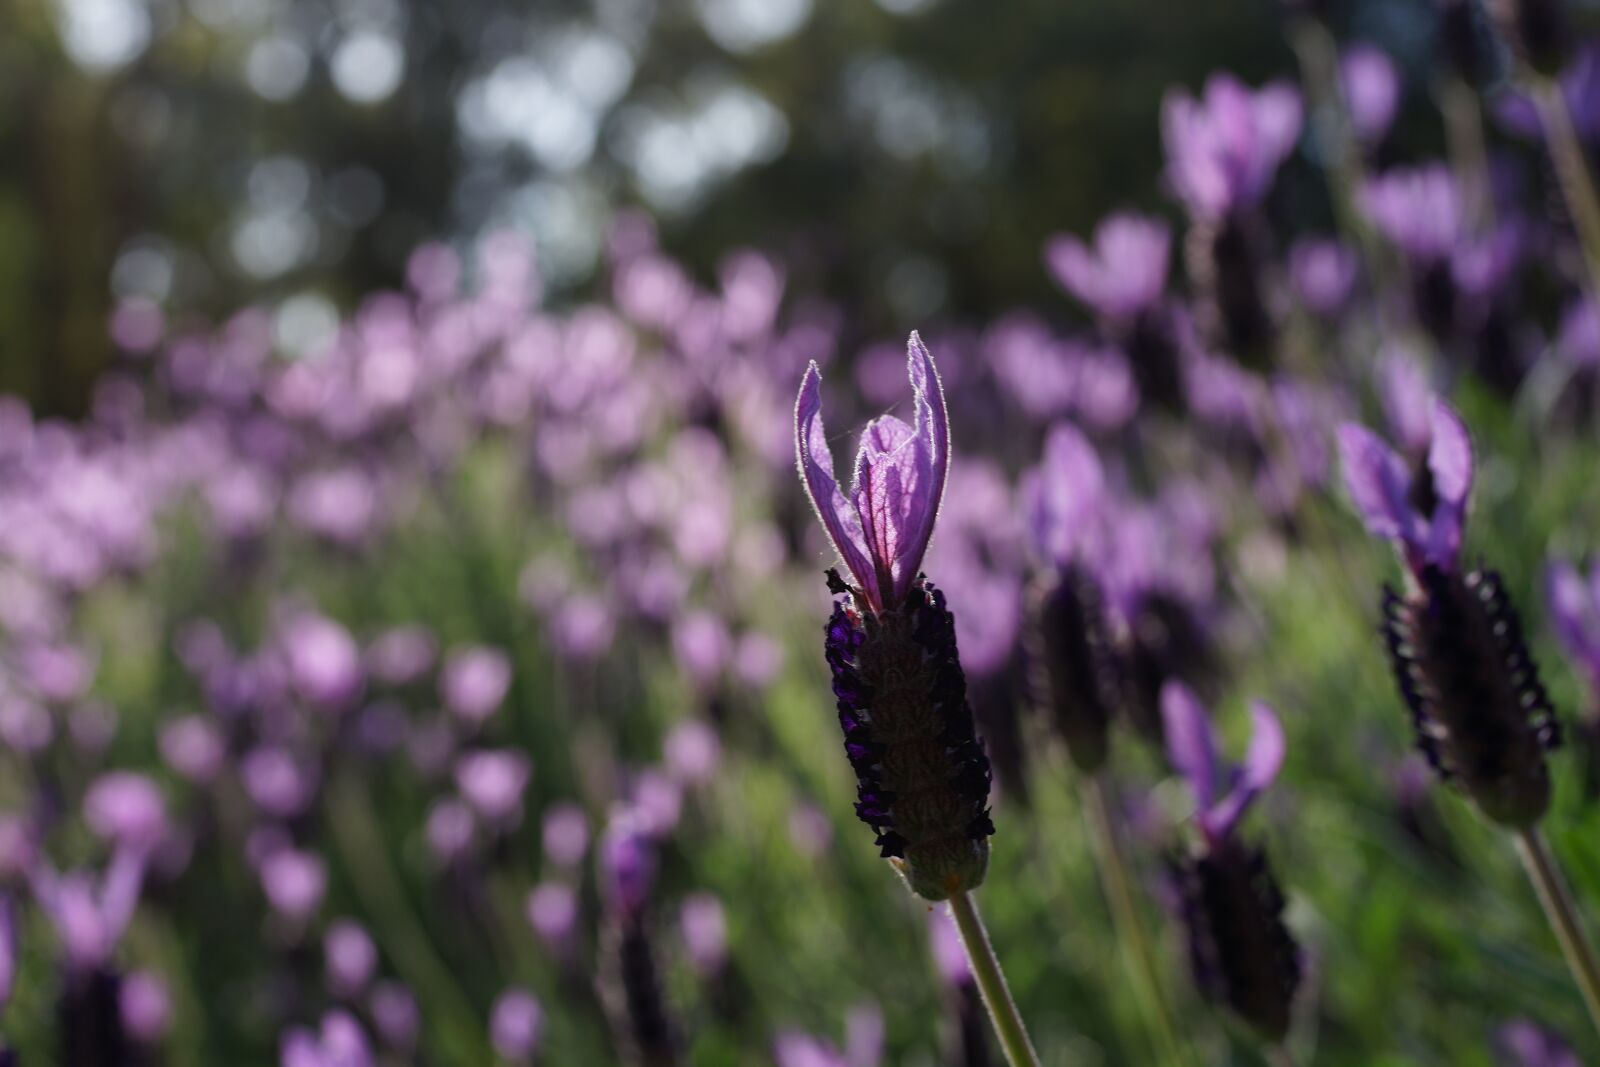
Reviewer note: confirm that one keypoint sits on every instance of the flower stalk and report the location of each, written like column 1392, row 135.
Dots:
column 1562, row 912
column 1008, row 1025
column 1129, row 925
column 1572, row 172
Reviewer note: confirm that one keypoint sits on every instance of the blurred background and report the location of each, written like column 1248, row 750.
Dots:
column 410, row 619
column 902, row 157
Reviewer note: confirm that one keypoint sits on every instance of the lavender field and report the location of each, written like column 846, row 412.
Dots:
column 548, row 592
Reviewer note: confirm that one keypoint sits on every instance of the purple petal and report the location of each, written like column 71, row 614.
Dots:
column 8, row 949
column 1262, row 761
column 1378, row 484
column 1191, row 746
column 1568, row 601
column 1450, row 461
column 1066, row 495
column 839, row 517
column 900, row 478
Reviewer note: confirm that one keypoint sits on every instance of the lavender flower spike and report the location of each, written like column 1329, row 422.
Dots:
column 922, row 775
column 1455, row 642
column 1241, row 952
column 882, row 529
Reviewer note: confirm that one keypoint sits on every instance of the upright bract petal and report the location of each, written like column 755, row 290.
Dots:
column 1262, row 761
column 900, row 477
column 1450, row 462
column 1066, row 497
column 1566, row 596
column 1378, row 483
column 1190, row 744
column 839, row 516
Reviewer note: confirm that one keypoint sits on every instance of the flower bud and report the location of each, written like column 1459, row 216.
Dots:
column 1073, row 668
column 1482, row 716
column 922, row 776
column 1240, row 949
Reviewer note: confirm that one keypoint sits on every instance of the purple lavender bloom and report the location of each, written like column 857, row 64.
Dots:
column 146, row 1007
column 350, row 956
column 90, row 915
column 9, row 949
column 1223, row 149
column 474, row 682
column 449, row 829
column 402, row 655
column 565, row 834
column 627, row 861
column 340, row 1043
column 324, row 662
column 1323, row 273
column 1384, row 489
column 1481, row 715
column 552, row 911
column 882, row 529
column 702, row 646
column 493, row 781
column 1241, row 952
column 1574, row 604
column 1418, row 209
column 1407, row 402
column 704, row 926
column 294, row 882
column 863, row 1040
column 1523, row 1043
column 279, row 782
column 894, row 617
column 514, row 1025
column 126, row 809
column 1125, row 272
column 1371, row 91
column 395, row 1016
column 692, row 752
column 1578, row 338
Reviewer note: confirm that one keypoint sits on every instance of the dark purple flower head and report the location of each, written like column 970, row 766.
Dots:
column 1192, row 747
column 1371, row 91
column 882, row 529
column 1124, row 272
column 1223, row 149
column 627, row 860
column 1384, row 489
column 1523, row 1043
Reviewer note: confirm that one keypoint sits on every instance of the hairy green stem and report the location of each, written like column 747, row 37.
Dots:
column 992, row 984
column 1129, row 925
column 1572, row 172
column 1562, row 912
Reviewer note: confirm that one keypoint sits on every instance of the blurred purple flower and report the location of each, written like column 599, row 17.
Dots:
column 656, row 801
column 1407, row 401
column 449, row 829
column 1371, row 91
column 1125, row 271
column 126, row 809
column 1578, row 339
column 882, row 530
column 1065, row 498
column 395, row 1016
column 809, row 830
column 1323, row 272
column 340, row 1043
column 278, row 781
column 323, row 660
column 757, row 659
column 1418, row 209
column 692, row 752
column 1580, row 85
column 705, row 932
column 584, row 627
column 627, row 863
column 1522, row 1043
column 294, row 882
column 949, row 954
column 1223, row 149
column 402, row 655
column 1379, row 483
column 515, row 1022
column 552, row 911
column 474, row 681
column 90, row 915
column 1574, row 604
column 1192, row 748
column 702, row 645
column 145, row 1006
column 565, row 834
column 493, row 781
column 350, row 957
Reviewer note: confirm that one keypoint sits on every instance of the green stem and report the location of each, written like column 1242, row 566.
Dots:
column 992, row 984
column 1129, row 926
column 359, row 842
column 1572, row 173
column 1559, row 908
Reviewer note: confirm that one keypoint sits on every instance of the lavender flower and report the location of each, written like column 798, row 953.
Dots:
column 1523, row 1043
column 1123, row 274
column 922, row 776
column 350, row 956
column 1223, row 149
column 1323, row 273
column 514, row 1025
column 474, row 682
column 1371, row 91
column 146, row 1007
column 1481, row 714
column 704, row 927
column 1241, row 952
